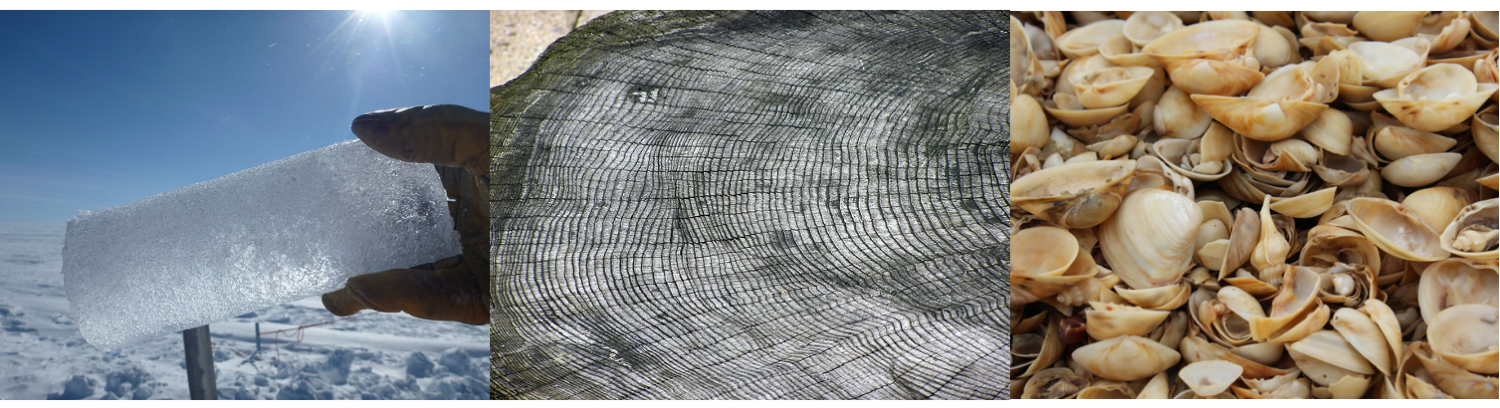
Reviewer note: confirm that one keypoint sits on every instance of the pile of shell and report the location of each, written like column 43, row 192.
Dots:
column 1254, row 205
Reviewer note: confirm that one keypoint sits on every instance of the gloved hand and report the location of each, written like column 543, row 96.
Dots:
column 456, row 139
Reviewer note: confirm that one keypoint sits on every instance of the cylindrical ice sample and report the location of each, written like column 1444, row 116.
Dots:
column 282, row 231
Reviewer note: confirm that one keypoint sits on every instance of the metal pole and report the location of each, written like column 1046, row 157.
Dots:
column 200, row 364
column 257, row 337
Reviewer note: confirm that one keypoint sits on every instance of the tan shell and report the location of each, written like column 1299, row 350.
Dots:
column 1217, row 40
column 1026, row 289
column 1208, row 58
column 1328, row 347
column 1332, row 131
column 1126, row 358
column 1213, row 77
column 1084, row 41
column 1474, row 231
column 1466, row 335
column 1054, row 383
column 1028, row 123
column 1486, row 134
column 1177, row 116
column 1298, row 295
column 1065, row 108
column 1042, row 251
column 1453, row 379
column 1150, row 241
column 1436, row 98
column 1420, row 170
column 1168, row 297
column 1439, row 205
column 1195, row 349
column 1341, row 171
column 1342, row 244
column 1396, row 142
column 1211, row 377
column 1144, row 26
column 1157, row 388
column 1109, row 87
column 1120, row 51
column 1446, row 30
column 1484, row 23
column 1276, row 46
column 1384, row 64
column 1457, row 281
column 1190, row 159
column 1362, row 334
column 1388, row 25
column 1396, row 230
column 1075, row 195
column 1107, row 321
column 1105, row 389
column 1306, row 205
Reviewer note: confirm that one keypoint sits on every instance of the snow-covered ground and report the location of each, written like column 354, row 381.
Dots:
column 371, row 356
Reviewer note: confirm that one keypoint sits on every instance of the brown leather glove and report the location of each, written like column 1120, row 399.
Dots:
column 456, row 139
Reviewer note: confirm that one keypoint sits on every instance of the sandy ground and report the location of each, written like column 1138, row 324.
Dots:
column 517, row 37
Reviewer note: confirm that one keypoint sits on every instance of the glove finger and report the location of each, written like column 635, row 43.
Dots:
column 447, row 295
column 448, row 135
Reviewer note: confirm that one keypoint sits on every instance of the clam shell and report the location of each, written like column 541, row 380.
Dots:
column 1120, row 51
column 1157, row 388
column 1264, row 353
column 1420, row 170
column 1362, row 333
column 1342, row 244
column 1195, row 349
column 1213, row 77
column 1177, row 116
column 1028, row 123
column 1107, row 321
column 1109, row 87
column 1332, row 131
column 1168, row 297
column 1054, row 383
column 1306, row 205
column 1483, row 23
column 1081, row 117
column 1105, row 389
column 1084, row 41
column 1439, row 205
column 1216, row 40
column 1341, row 171
column 1260, row 119
column 1126, row 358
column 1436, row 98
column 1042, row 251
column 1472, row 232
column 1466, row 335
column 1150, row 241
column 1455, row 380
column 1075, row 195
column 1328, row 347
column 1209, row 378
column 1385, row 64
column 1144, row 26
column 1340, row 17
column 1396, row 230
column 1388, row 25
column 1398, row 142
column 1026, row 289
column 1174, row 152
column 1486, row 135
column 1457, row 281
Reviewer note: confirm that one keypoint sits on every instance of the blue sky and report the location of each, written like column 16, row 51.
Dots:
column 100, row 109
